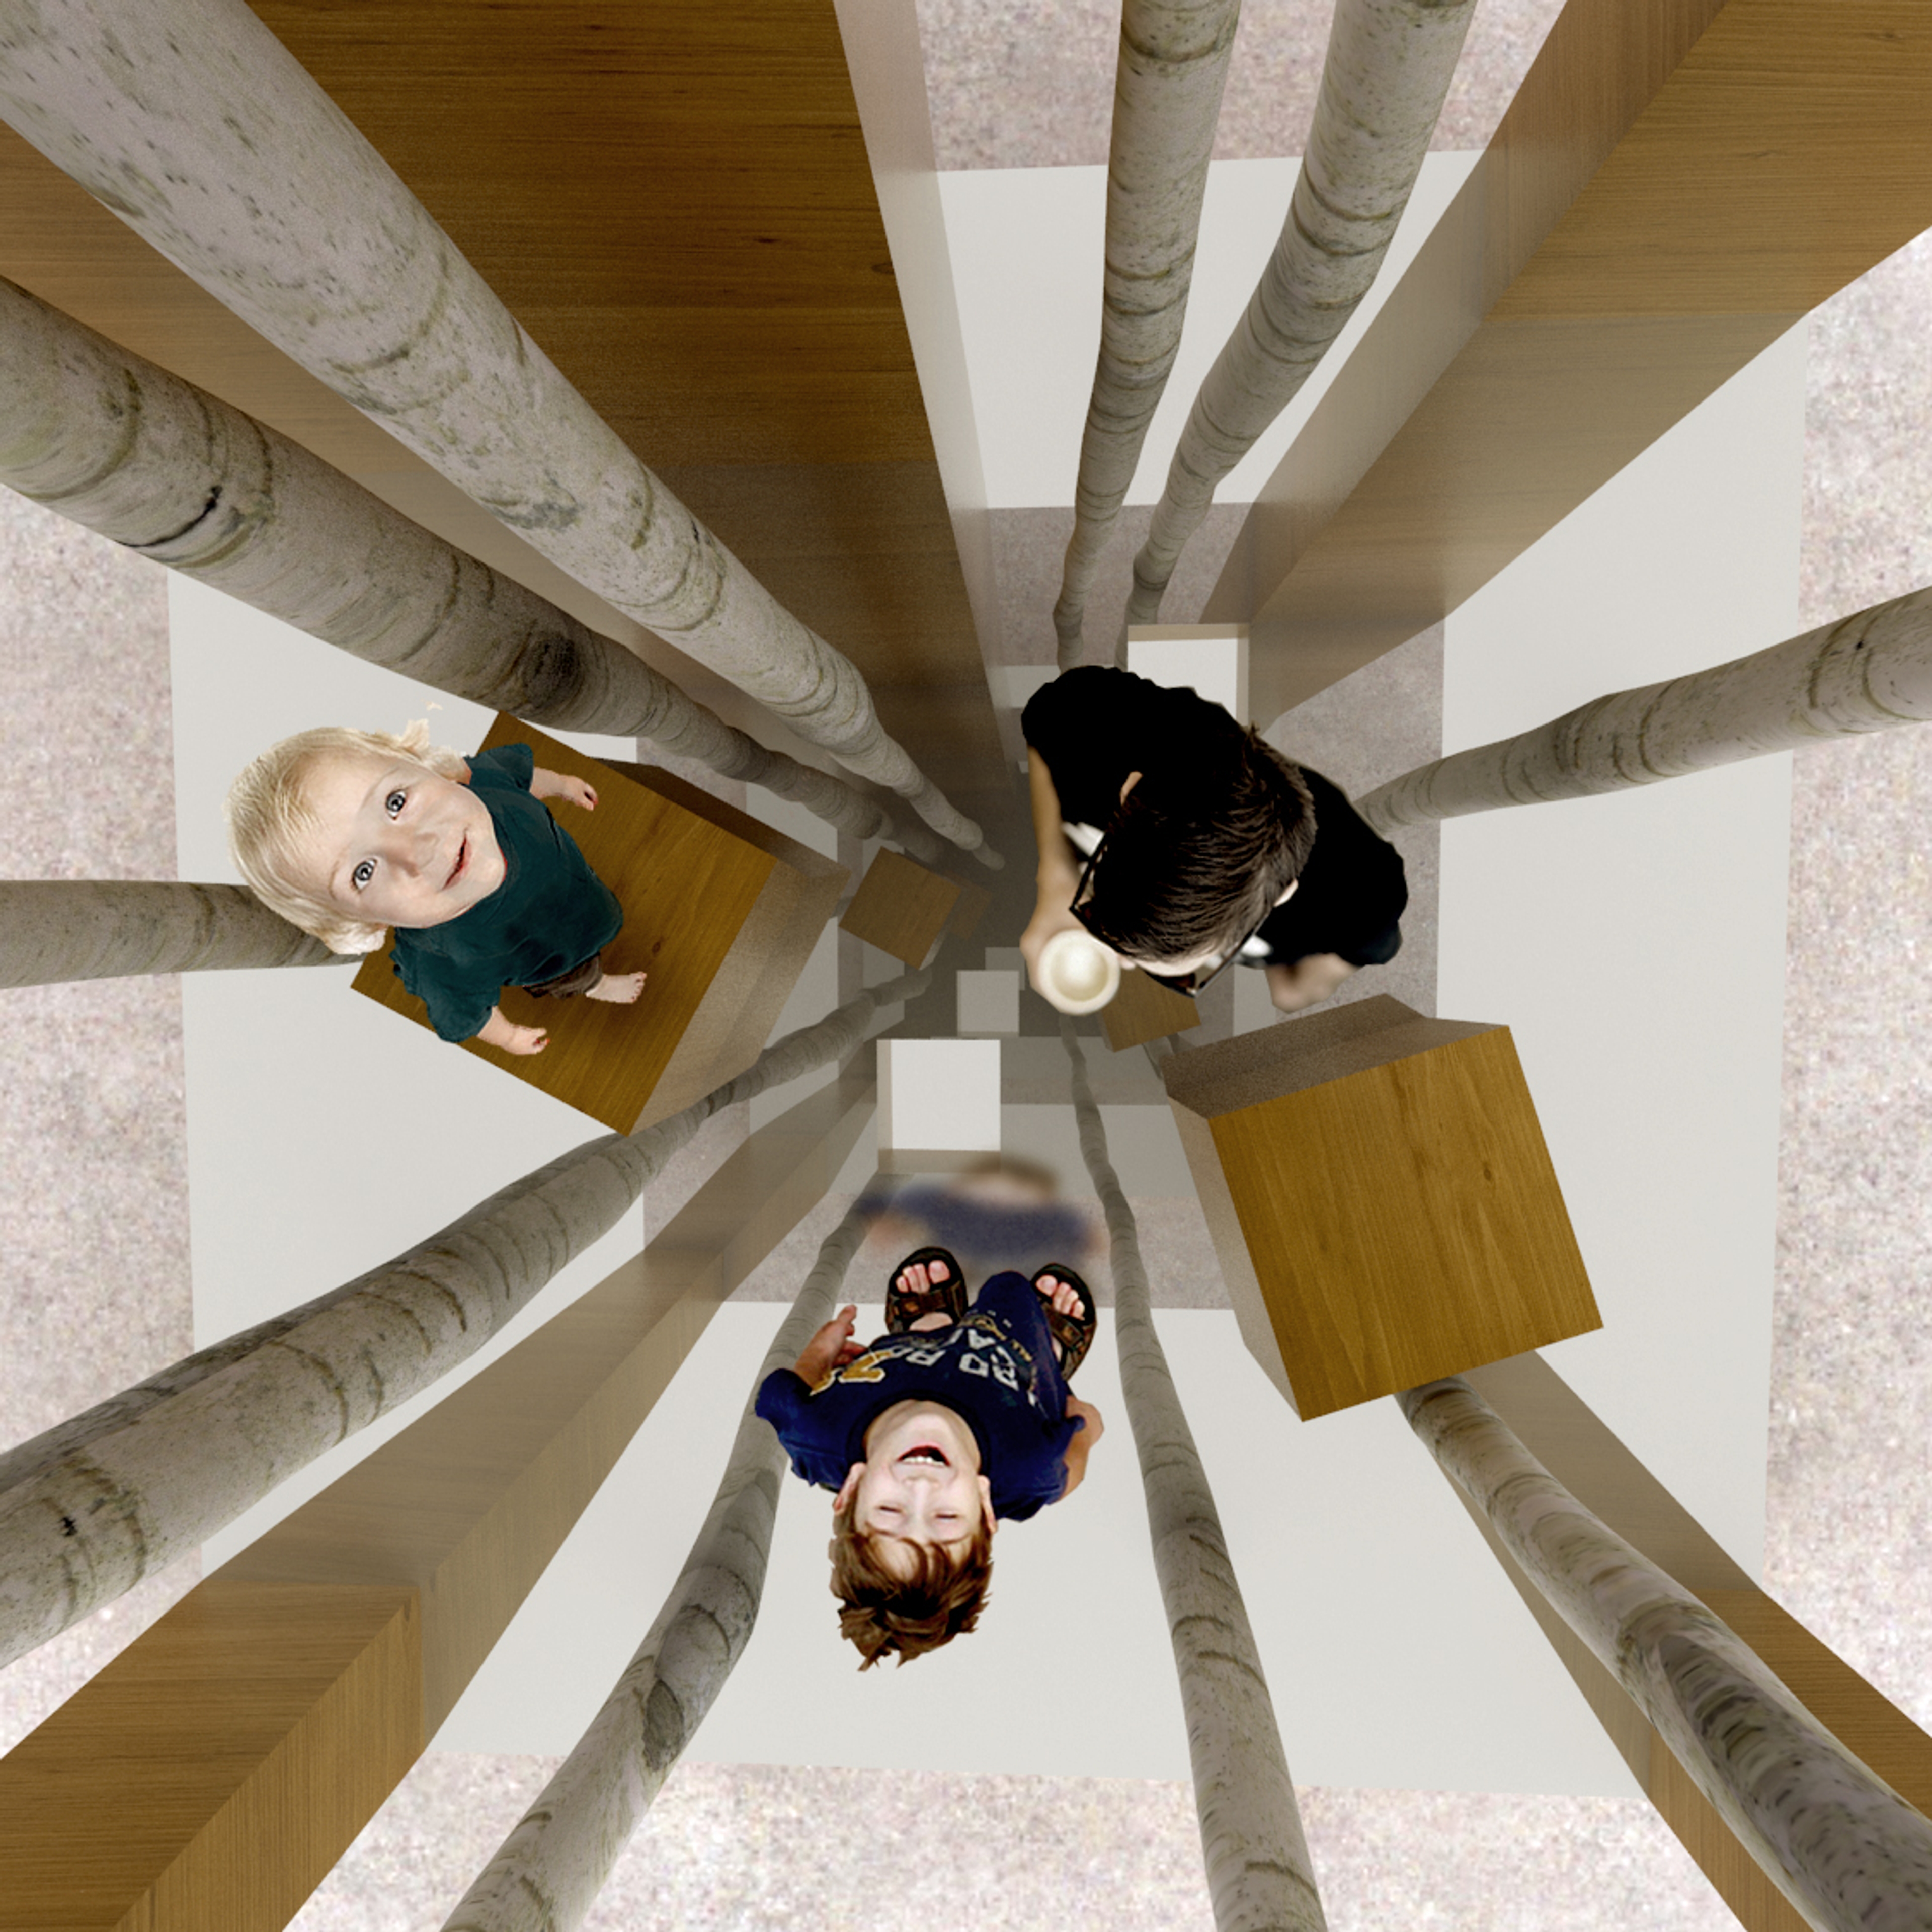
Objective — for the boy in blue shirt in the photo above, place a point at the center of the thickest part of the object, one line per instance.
(349, 833)
(952, 1420)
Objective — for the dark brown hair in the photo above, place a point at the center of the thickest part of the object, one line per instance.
(1195, 860)
(906, 1616)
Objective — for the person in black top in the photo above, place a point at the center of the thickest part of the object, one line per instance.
(1187, 844)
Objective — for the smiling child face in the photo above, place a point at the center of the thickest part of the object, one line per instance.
(919, 1483)
(396, 844)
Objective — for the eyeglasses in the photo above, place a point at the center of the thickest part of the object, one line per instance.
(1199, 978)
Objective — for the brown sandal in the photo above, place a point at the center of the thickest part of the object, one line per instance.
(1074, 1333)
(903, 1306)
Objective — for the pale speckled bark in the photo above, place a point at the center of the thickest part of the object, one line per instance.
(548, 1872)
(1865, 673)
(54, 930)
(1167, 98)
(1842, 1846)
(114, 442)
(1389, 66)
(93, 1505)
(1259, 1874)
(196, 126)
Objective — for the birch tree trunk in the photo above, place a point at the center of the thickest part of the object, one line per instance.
(195, 125)
(96, 1503)
(1865, 673)
(54, 930)
(115, 443)
(546, 1874)
(1259, 1874)
(1389, 66)
(1848, 1852)
(1167, 99)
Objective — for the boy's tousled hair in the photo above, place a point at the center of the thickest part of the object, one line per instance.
(886, 1616)
(268, 814)
(1194, 861)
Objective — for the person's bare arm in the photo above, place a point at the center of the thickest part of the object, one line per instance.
(497, 1031)
(1059, 871)
(561, 784)
(1308, 981)
(1081, 1447)
(832, 1348)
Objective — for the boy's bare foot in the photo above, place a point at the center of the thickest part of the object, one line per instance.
(621, 989)
(915, 1281)
(1072, 1322)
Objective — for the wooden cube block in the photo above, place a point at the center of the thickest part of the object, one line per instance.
(1142, 1011)
(720, 909)
(1381, 1200)
(901, 908)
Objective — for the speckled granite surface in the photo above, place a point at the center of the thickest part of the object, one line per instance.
(1031, 85)
(93, 1158)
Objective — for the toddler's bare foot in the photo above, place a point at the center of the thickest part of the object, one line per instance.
(621, 989)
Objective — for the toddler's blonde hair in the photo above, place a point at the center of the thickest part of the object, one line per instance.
(269, 816)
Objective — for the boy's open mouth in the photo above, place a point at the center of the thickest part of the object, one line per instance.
(926, 1454)
(462, 860)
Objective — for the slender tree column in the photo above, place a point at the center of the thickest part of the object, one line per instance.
(1390, 63)
(195, 125)
(96, 1503)
(1848, 1852)
(1167, 99)
(117, 444)
(1259, 1874)
(548, 1872)
(1867, 672)
(56, 930)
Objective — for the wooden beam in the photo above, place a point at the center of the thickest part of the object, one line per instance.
(211, 1774)
(1677, 182)
(1571, 1441)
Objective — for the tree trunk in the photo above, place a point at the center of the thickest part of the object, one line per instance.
(1259, 1874)
(1390, 63)
(1865, 673)
(1167, 99)
(54, 930)
(96, 1503)
(196, 126)
(548, 1872)
(1848, 1852)
(115, 443)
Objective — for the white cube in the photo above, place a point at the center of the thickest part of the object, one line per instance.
(989, 1003)
(939, 1095)
(1213, 658)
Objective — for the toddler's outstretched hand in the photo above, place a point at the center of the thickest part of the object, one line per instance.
(562, 785)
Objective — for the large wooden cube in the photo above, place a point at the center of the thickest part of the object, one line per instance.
(902, 909)
(721, 910)
(1381, 1200)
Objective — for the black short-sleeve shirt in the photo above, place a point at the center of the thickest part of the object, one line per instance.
(1096, 725)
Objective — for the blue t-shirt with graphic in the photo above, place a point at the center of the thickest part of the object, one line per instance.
(995, 1370)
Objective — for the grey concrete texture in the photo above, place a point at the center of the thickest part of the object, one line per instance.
(1030, 84)
(93, 1154)
(766, 1848)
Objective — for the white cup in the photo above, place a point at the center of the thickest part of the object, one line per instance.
(1077, 973)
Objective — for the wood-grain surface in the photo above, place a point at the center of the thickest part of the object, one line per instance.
(1142, 1011)
(1676, 183)
(901, 908)
(1397, 1213)
(689, 884)
(211, 1774)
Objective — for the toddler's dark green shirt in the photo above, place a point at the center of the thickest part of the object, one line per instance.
(550, 914)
